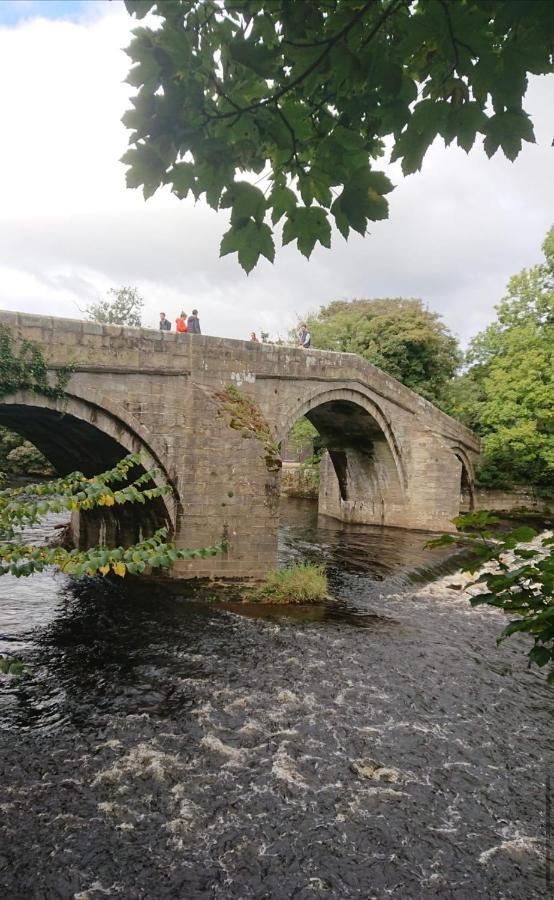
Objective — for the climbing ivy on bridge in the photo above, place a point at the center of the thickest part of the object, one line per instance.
(27, 369)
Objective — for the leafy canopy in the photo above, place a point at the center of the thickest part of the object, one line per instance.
(122, 307)
(402, 337)
(507, 394)
(308, 94)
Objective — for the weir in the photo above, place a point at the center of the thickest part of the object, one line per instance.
(392, 458)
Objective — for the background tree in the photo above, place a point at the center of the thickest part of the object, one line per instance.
(123, 307)
(402, 337)
(307, 93)
(507, 394)
(20, 457)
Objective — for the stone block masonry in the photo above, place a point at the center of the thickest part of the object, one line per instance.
(393, 458)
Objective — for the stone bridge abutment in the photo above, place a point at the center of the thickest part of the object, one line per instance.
(392, 458)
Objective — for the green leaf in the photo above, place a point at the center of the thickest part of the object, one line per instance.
(253, 56)
(523, 534)
(362, 200)
(146, 170)
(139, 8)
(540, 655)
(183, 179)
(307, 227)
(249, 242)
(282, 201)
(508, 130)
(246, 202)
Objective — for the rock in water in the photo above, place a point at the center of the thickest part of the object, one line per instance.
(376, 771)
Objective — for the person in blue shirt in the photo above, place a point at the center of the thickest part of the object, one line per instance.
(193, 323)
(304, 338)
(165, 324)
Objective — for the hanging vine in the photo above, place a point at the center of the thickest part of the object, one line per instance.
(26, 506)
(27, 369)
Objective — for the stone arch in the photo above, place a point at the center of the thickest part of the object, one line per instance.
(357, 396)
(467, 479)
(75, 434)
(362, 474)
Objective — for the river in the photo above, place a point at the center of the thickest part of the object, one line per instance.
(167, 747)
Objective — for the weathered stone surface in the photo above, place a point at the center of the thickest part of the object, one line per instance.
(393, 458)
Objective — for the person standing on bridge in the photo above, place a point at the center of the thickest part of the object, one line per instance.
(165, 324)
(304, 337)
(181, 323)
(193, 323)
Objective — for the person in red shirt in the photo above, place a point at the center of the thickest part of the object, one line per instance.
(181, 323)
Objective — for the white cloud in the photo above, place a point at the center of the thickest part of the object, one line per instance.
(69, 229)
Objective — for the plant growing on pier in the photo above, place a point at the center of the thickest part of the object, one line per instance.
(246, 416)
(308, 94)
(521, 583)
(26, 506)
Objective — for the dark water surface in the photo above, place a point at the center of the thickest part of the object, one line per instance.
(166, 747)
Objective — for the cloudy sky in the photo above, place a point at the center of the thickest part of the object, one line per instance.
(69, 229)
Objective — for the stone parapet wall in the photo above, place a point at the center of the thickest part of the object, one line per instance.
(508, 501)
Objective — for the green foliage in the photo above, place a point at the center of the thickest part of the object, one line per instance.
(522, 583)
(246, 416)
(402, 337)
(507, 393)
(27, 370)
(123, 307)
(13, 665)
(302, 435)
(306, 94)
(27, 460)
(20, 457)
(26, 506)
(299, 583)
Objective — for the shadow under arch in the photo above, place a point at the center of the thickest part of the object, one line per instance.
(362, 475)
(467, 480)
(376, 422)
(74, 434)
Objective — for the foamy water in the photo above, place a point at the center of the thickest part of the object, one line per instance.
(168, 748)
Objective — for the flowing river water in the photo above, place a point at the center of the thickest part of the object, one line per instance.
(169, 747)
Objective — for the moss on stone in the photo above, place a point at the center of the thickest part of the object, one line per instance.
(246, 417)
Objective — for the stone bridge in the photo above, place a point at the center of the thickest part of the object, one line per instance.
(393, 458)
